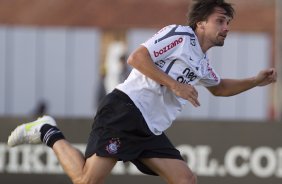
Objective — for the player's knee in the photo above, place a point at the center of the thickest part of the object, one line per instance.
(87, 180)
(79, 180)
(188, 178)
(193, 179)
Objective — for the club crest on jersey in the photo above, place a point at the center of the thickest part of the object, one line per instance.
(112, 147)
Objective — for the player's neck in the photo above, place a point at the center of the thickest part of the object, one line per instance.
(204, 43)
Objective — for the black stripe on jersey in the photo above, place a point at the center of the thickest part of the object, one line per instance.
(170, 66)
(173, 33)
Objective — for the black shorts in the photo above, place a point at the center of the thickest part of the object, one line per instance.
(120, 131)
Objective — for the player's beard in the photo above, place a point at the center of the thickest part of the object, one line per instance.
(219, 41)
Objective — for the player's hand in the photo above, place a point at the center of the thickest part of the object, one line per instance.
(266, 77)
(187, 92)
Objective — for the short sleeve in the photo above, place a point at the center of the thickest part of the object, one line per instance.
(164, 43)
(211, 79)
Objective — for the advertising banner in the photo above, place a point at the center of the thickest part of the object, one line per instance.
(218, 153)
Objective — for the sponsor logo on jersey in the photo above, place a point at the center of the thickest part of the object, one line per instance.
(168, 47)
(212, 73)
(187, 77)
(193, 41)
(160, 63)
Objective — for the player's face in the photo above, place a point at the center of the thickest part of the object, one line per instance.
(217, 27)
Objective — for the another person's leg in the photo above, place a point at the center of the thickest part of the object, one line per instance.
(173, 171)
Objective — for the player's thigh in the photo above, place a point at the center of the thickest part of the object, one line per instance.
(172, 170)
(97, 168)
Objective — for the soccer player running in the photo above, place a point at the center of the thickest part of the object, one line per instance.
(130, 122)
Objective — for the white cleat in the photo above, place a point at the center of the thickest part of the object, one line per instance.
(29, 133)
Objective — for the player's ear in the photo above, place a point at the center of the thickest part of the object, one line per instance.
(201, 24)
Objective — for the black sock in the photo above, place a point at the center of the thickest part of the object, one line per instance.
(50, 134)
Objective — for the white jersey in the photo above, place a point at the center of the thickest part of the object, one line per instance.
(175, 50)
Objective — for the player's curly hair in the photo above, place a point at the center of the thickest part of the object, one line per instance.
(200, 10)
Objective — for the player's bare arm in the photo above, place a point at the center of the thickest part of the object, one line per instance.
(266, 77)
(141, 60)
(230, 87)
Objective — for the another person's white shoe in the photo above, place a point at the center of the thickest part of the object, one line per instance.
(29, 133)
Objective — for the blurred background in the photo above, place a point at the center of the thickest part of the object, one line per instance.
(58, 55)
(62, 57)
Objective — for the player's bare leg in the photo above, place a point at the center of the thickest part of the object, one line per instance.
(91, 171)
(173, 171)
(81, 171)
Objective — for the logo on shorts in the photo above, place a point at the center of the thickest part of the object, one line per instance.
(113, 146)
